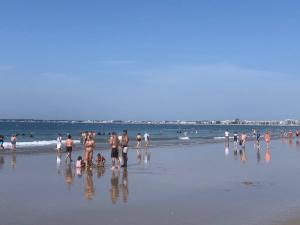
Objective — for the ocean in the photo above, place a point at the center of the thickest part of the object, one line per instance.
(43, 134)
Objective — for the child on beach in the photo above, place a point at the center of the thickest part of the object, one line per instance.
(80, 163)
(100, 160)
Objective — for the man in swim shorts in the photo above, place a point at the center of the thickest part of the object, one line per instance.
(124, 144)
(114, 143)
(69, 147)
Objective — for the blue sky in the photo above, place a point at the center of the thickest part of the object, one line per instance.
(149, 59)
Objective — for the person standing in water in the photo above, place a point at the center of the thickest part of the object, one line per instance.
(258, 139)
(138, 142)
(244, 138)
(59, 142)
(69, 147)
(13, 140)
(1, 142)
(89, 150)
(235, 142)
(124, 143)
(226, 137)
(114, 143)
(147, 139)
(267, 138)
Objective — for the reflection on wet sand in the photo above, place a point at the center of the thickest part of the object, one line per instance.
(89, 185)
(114, 191)
(1, 162)
(58, 162)
(13, 160)
(68, 175)
(100, 171)
(268, 155)
(124, 186)
(243, 156)
(258, 157)
(147, 157)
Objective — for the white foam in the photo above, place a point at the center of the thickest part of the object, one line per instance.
(218, 138)
(184, 138)
(8, 145)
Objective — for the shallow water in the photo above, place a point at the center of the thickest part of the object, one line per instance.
(197, 184)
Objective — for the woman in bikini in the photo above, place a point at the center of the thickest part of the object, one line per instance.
(89, 149)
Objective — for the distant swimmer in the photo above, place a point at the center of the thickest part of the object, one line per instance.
(31, 135)
(69, 147)
(147, 139)
(297, 133)
(13, 141)
(1, 142)
(58, 142)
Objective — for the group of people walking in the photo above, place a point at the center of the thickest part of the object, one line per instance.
(240, 139)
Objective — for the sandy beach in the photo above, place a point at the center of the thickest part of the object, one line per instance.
(196, 184)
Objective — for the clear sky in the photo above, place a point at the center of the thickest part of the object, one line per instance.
(158, 59)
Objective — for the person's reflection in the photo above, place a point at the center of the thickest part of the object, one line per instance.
(243, 156)
(235, 154)
(124, 185)
(114, 191)
(258, 157)
(89, 185)
(69, 175)
(147, 157)
(100, 171)
(297, 144)
(1, 162)
(226, 151)
(13, 160)
(290, 141)
(139, 157)
(268, 155)
(58, 162)
(79, 172)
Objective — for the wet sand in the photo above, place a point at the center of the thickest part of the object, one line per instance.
(195, 184)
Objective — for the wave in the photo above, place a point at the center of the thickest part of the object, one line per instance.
(42, 143)
(219, 138)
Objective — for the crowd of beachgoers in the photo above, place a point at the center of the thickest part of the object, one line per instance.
(119, 144)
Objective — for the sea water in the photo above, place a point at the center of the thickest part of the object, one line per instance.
(44, 134)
